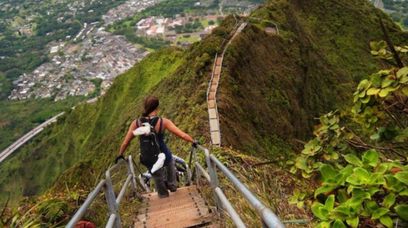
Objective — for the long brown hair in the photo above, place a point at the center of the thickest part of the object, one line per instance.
(150, 104)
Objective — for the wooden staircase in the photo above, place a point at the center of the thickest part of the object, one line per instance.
(184, 208)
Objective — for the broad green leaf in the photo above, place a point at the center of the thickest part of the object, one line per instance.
(377, 179)
(301, 163)
(383, 93)
(338, 224)
(371, 158)
(387, 82)
(382, 168)
(379, 212)
(327, 172)
(373, 91)
(392, 183)
(386, 91)
(402, 211)
(324, 189)
(386, 221)
(372, 190)
(405, 90)
(320, 211)
(389, 200)
(402, 72)
(353, 159)
(329, 204)
(404, 193)
(360, 194)
(360, 176)
(353, 222)
(363, 84)
(323, 225)
(342, 195)
(402, 176)
(365, 100)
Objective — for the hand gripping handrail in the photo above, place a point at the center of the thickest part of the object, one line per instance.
(269, 219)
(113, 202)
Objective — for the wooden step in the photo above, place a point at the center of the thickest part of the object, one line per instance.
(211, 104)
(211, 96)
(215, 138)
(183, 208)
(212, 113)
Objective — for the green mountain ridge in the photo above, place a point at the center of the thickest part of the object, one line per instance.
(272, 87)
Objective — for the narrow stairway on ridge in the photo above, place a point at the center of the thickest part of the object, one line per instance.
(214, 119)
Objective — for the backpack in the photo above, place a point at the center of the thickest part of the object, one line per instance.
(149, 144)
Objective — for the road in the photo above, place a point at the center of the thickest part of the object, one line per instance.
(25, 138)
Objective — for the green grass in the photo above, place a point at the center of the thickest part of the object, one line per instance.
(18, 117)
(190, 39)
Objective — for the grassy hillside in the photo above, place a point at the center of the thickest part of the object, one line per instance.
(91, 134)
(275, 86)
(272, 87)
(18, 117)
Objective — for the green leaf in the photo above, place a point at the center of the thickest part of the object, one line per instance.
(371, 158)
(405, 90)
(392, 183)
(353, 159)
(365, 100)
(353, 222)
(360, 194)
(404, 193)
(342, 195)
(301, 163)
(323, 225)
(329, 204)
(379, 212)
(402, 176)
(402, 211)
(320, 211)
(386, 221)
(373, 91)
(338, 224)
(386, 91)
(324, 189)
(387, 82)
(389, 200)
(327, 172)
(360, 176)
(363, 85)
(402, 72)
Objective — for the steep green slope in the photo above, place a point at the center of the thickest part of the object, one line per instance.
(91, 134)
(83, 129)
(274, 86)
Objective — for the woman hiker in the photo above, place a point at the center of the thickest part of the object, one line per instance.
(158, 126)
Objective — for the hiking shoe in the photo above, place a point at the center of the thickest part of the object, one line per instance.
(164, 196)
(172, 188)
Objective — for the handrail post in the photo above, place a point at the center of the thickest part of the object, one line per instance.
(111, 200)
(131, 170)
(213, 177)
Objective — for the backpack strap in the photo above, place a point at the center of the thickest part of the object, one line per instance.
(153, 122)
(161, 125)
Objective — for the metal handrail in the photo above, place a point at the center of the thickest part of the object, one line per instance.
(113, 202)
(269, 219)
